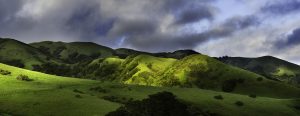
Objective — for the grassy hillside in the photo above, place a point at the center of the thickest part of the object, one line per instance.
(22, 55)
(268, 66)
(198, 71)
(52, 95)
(75, 51)
(144, 69)
(47, 95)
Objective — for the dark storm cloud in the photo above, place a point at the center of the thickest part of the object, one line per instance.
(8, 9)
(283, 7)
(96, 20)
(9, 21)
(169, 42)
(241, 22)
(86, 20)
(171, 5)
(291, 40)
(134, 27)
(194, 15)
(153, 25)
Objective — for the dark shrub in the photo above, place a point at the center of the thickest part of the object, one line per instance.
(78, 96)
(99, 89)
(229, 85)
(112, 99)
(297, 107)
(259, 79)
(60, 87)
(4, 72)
(23, 78)
(239, 103)
(160, 104)
(240, 80)
(219, 97)
(77, 91)
(16, 63)
(252, 96)
(196, 111)
(37, 103)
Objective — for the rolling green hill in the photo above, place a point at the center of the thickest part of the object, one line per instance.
(268, 66)
(73, 52)
(19, 54)
(198, 71)
(60, 96)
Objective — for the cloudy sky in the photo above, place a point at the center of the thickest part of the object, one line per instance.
(247, 28)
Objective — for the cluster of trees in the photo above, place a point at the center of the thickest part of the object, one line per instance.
(16, 63)
(229, 85)
(80, 70)
(23, 78)
(53, 68)
(4, 72)
(76, 57)
(159, 104)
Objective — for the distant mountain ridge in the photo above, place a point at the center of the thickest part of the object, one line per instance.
(268, 66)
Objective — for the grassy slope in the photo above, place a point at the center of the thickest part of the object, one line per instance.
(14, 50)
(47, 95)
(149, 64)
(52, 95)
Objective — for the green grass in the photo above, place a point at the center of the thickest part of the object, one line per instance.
(54, 95)
(48, 95)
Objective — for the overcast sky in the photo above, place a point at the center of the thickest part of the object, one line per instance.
(247, 28)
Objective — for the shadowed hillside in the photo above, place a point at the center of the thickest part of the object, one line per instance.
(19, 54)
(268, 66)
(73, 52)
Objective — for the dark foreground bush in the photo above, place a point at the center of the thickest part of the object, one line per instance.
(252, 96)
(78, 96)
(297, 107)
(23, 78)
(160, 104)
(4, 72)
(78, 91)
(122, 100)
(99, 89)
(219, 97)
(229, 85)
(239, 103)
(259, 79)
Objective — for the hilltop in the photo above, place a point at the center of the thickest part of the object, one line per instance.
(22, 55)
